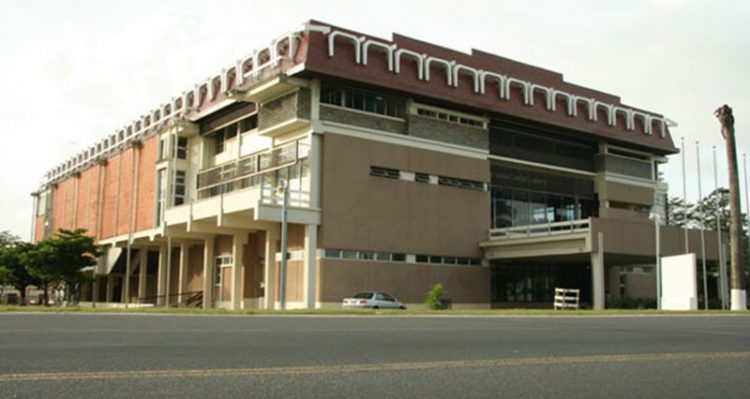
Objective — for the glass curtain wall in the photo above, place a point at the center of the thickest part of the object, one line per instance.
(523, 197)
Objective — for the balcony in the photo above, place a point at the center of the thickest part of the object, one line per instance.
(243, 192)
(249, 170)
(539, 240)
(540, 230)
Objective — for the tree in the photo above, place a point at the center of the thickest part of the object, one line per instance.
(5, 278)
(682, 214)
(11, 259)
(61, 259)
(711, 213)
(726, 119)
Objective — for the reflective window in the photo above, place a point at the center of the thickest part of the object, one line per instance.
(525, 197)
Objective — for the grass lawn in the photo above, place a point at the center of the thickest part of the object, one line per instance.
(363, 312)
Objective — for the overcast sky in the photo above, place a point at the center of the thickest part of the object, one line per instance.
(71, 72)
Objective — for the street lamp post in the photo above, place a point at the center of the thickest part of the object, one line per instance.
(283, 189)
(657, 222)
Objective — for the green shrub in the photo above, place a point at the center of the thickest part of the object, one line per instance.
(434, 299)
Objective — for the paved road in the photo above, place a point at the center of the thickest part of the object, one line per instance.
(154, 356)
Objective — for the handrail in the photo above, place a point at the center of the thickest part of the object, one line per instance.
(249, 166)
(535, 230)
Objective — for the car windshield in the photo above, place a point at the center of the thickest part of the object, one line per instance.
(363, 295)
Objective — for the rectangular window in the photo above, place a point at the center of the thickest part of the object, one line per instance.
(384, 172)
(161, 193)
(162, 149)
(460, 183)
(422, 177)
(447, 116)
(219, 141)
(423, 259)
(221, 262)
(361, 101)
(330, 95)
(365, 255)
(230, 131)
(398, 257)
(179, 187)
(333, 253)
(182, 144)
(383, 256)
(249, 123)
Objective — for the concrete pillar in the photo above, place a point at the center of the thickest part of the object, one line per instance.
(125, 294)
(238, 250)
(142, 274)
(597, 273)
(110, 288)
(269, 272)
(183, 278)
(168, 274)
(161, 278)
(310, 264)
(95, 290)
(208, 272)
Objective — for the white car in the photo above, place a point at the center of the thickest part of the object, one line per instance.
(372, 300)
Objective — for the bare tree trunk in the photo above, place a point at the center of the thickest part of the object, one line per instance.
(739, 298)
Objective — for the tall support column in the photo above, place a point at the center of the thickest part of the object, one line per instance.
(161, 279)
(597, 273)
(183, 278)
(128, 272)
(208, 273)
(168, 277)
(269, 270)
(110, 288)
(238, 251)
(94, 290)
(142, 274)
(310, 264)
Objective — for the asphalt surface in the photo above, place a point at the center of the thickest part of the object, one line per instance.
(164, 356)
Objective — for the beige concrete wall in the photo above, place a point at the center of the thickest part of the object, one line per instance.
(627, 193)
(223, 245)
(295, 281)
(195, 268)
(339, 278)
(365, 212)
(252, 259)
(638, 239)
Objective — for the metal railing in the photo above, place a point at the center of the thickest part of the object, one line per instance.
(251, 165)
(537, 230)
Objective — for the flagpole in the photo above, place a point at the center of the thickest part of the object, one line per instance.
(722, 265)
(684, 196)
(703, 229)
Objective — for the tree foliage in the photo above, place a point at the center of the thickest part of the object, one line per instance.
(15, 273)
(19, 276)
(711, 213)
(62, 258)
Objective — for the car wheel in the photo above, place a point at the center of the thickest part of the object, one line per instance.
(402, 307)
(376, 307)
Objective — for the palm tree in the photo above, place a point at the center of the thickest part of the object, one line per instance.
(724, 114)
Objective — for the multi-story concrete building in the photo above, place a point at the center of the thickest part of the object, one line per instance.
(407, 164)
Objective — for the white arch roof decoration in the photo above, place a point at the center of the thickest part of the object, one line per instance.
(505, 83)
